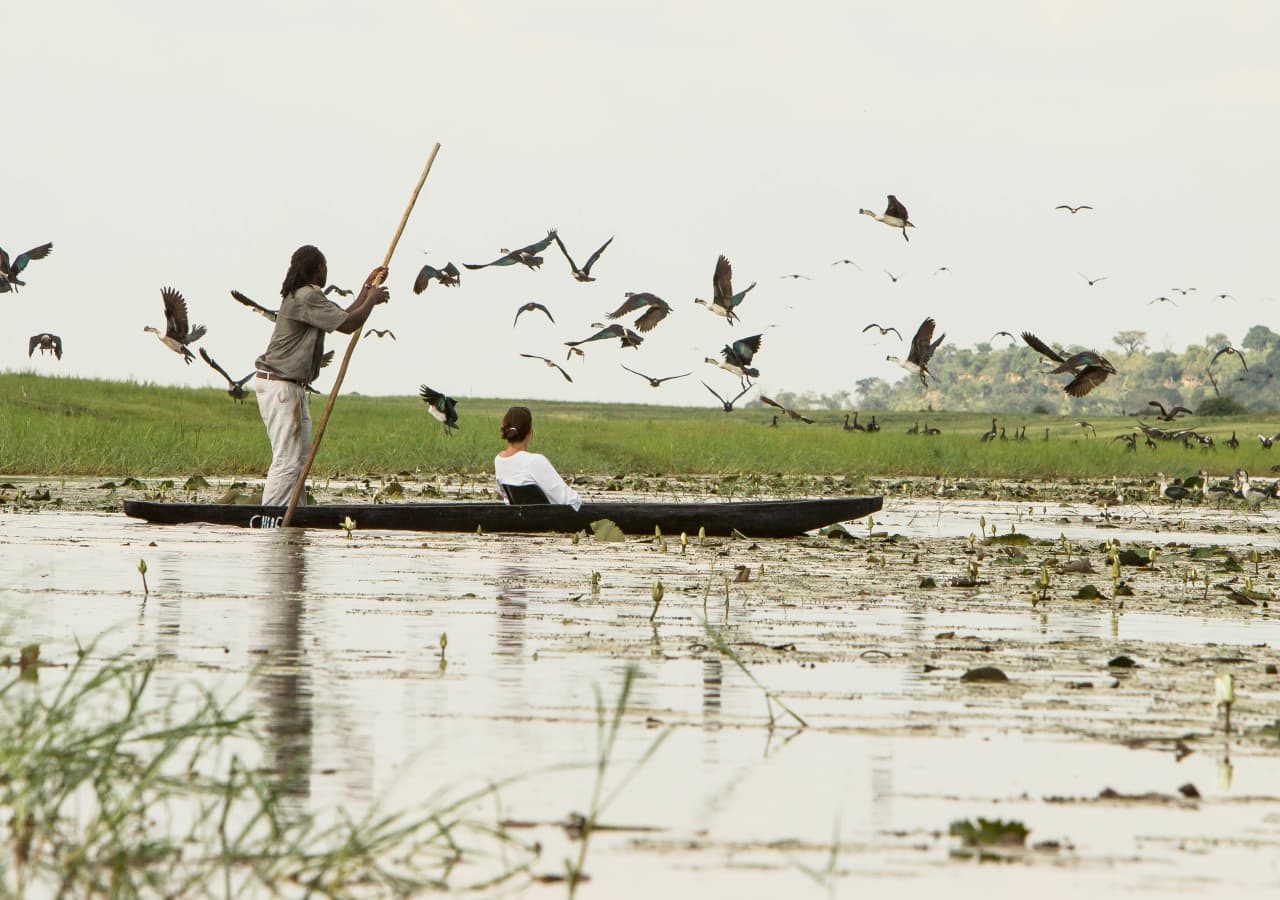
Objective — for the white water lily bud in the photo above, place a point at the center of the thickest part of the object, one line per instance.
(1225, 771)
(1224, 689)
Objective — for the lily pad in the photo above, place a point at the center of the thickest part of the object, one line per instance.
(1129, 557)
(990, 832)
(1122, 662)
(195, 483)
(927, 583)
(1079, 566)
(1089, 592)
(1013, 539)
(984, 675)
(606, 530)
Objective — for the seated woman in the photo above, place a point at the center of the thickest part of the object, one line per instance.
(517, 467)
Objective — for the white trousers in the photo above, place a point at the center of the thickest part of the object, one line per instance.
(283, 406)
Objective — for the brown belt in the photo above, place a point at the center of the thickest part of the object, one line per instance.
(272, 376)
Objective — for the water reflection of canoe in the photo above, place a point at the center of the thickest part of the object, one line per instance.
(753, 518)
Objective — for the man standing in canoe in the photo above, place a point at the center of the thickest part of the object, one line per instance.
(292, 360)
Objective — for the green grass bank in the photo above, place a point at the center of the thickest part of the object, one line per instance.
(72, 426)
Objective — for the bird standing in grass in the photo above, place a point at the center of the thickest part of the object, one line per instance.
(922, 349)
(1175, 493)
(177, 333)
(894, 215)
(443, 409)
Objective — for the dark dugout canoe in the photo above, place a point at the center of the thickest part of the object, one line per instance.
(753, 518)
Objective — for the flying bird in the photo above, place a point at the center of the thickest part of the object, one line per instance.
(892, 277)
(334, 289)
(1169, 415)
(1089, 368)
(658, 309)
(574, 351)
(235, 389)
(1224, 296)
(381, 332)
(895, 216)
(795, 276)
(1183, 291)
(1162, 300)
(724, 302)
(847, 262)
(583, 274)
(1006, 334)
(737, 357)
(883, 331)
(1072, 209)
(790, 412)
(449, 276)
(923, 347)
(727, 404)
(11, 269)
(1231, 351)
(1092, 281)
(443, 409)
(45, 343)
(656, 382)
(628, 337)
(525, 256)
(268, 314)
(551, 364)
(177, 334)
(530, 307)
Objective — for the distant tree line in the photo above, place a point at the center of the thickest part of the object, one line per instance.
(1013, 378)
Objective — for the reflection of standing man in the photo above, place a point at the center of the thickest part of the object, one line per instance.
(285, 682)
(292, 359)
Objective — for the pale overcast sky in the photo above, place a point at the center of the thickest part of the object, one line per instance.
(161, 143)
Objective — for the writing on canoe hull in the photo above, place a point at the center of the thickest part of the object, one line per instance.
(261, 521)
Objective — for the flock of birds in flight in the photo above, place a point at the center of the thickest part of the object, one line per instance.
(1087, 369)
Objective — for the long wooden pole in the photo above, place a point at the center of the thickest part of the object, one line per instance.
(300, 485)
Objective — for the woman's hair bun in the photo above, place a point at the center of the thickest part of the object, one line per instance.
(516, 424)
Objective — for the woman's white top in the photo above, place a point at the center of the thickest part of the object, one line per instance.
(524, 467)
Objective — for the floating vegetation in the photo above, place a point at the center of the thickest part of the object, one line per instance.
(165, 800)
(605, 530)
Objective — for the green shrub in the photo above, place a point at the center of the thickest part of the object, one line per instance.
(1222, 406)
